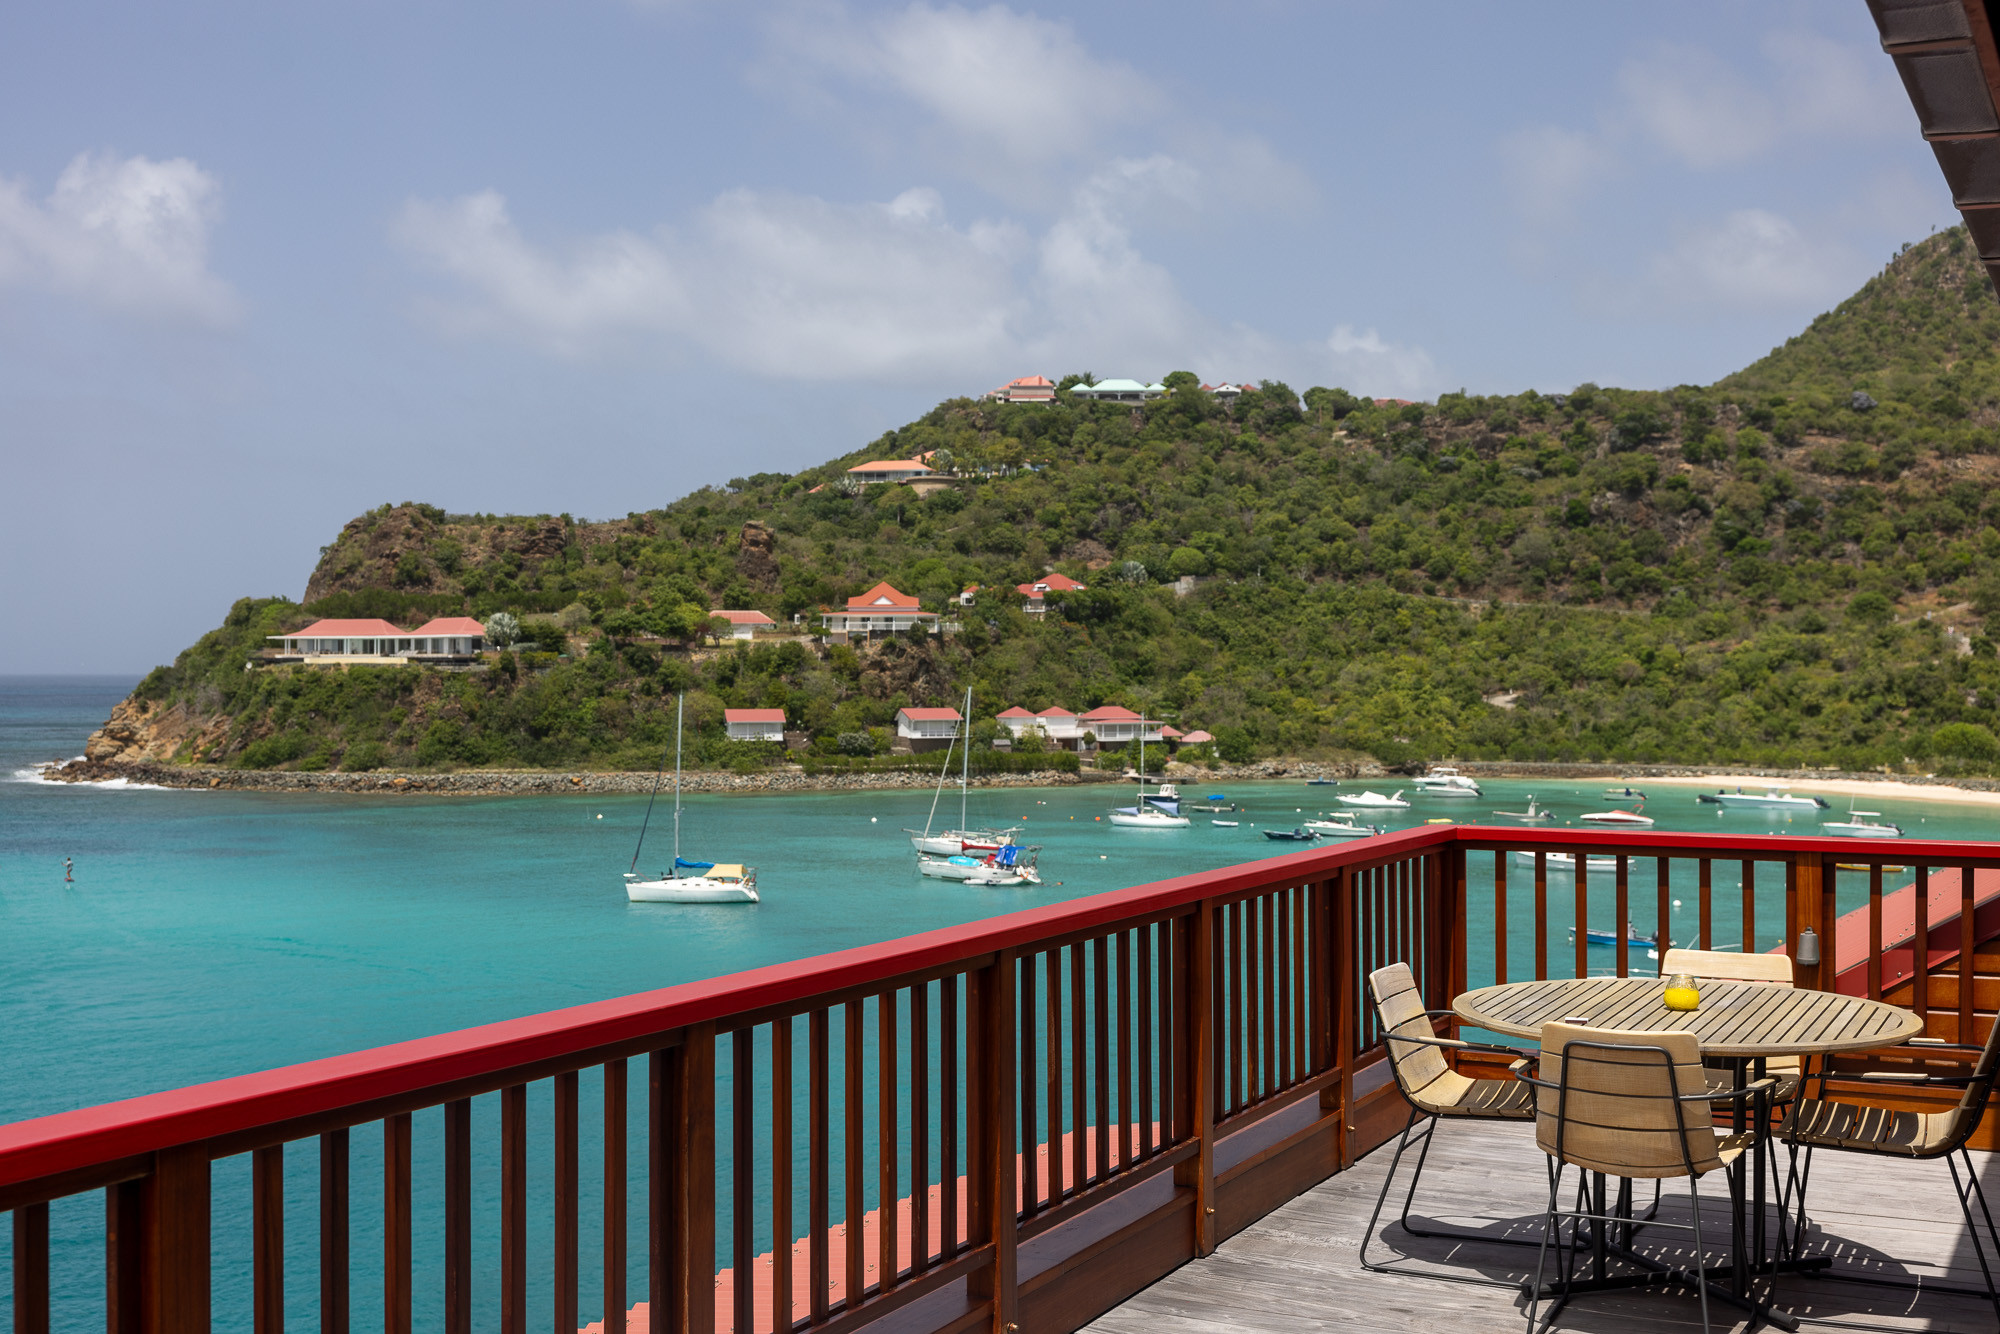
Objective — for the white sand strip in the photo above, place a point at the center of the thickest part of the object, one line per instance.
(1806, 787)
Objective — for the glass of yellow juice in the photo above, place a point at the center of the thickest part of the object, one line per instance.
(1681, 993)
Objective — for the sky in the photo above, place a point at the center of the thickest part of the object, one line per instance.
(263, 267)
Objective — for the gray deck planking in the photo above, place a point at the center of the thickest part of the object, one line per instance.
(1298, 1268)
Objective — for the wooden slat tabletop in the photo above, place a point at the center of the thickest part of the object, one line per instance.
(1733, 1019)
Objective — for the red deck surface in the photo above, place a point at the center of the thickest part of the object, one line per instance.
(1899, 928)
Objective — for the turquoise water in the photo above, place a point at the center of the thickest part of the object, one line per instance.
(214, 933)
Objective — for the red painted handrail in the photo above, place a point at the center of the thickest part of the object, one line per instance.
(70, 1141)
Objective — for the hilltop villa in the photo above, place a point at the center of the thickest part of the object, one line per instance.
(913, 473)
(1111, 725)
(1027, 389)
(927, 729)
(880, 611)
(1038, 592)
(1119, 391)
(337, 642)
(754, 724)
(745, 624)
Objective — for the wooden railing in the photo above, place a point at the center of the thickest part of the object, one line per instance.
(1009, 1125)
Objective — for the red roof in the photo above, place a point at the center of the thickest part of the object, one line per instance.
(882, 595)
(753, 715)
(1050, 583)
(361, 629)
(1111, 713)
(1016, 712)
(442, 626)
(1032, 382)
(891, 465)
(1170, 731)
(1053, 712)
(929, 715)
(744, 617)
(1197, 737)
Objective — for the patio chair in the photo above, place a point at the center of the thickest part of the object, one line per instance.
(1435, 1091)
(1845, 1127)
(1636, 1106)
(1737, 966)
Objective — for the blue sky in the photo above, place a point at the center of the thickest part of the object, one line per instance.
(265, 266)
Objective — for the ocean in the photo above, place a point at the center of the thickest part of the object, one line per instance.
(208, 934)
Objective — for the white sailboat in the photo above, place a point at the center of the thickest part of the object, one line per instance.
(1375, 801)
(712, 882)
(1442, 780)
(1160, 810)
(964, 839)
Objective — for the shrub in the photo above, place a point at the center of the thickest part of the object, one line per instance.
(364, 756)
(1965, 741)
(272, 751)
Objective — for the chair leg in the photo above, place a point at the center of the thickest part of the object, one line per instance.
(1403, 1143)
(1551, 1231)
(1410, 1131)
(1967, 1193)
(1700, 1252)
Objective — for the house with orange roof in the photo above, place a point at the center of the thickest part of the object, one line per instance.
(1027, 389)
(448, 636)
(745, 624)
(754, 724)
(892, 471)
(345, 642)
(928, 729)
(882, 610)
(1114, 725)
(1037, 593)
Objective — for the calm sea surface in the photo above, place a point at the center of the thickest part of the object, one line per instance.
(213, 933)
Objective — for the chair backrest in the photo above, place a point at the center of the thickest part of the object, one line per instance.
(1972, 1105)
(1400, 1007)
(1617, 1109)
(1728, 965)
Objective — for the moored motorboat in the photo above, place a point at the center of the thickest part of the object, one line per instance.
(1622, 819)
(1441, 780)
(1535, 814)
(1862, 824)
(1002, 868)
(1774, 797)
(1565, 861)
(1299, 835)
(1342, 824)
(1375, 801)
(1598, 935)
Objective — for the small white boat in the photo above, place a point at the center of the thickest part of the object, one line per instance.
(1375, 801)
(1774, 797)
(1156, 810)
(1441, 780)
(1623, 819)
(712, 882)
(1224, 824)
(1624, 794)
(1003, 868)
(1342, 824)
(1535, 814)
(1862, 824)
(1566, 861)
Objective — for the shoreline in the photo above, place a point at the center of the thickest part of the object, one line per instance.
(543, 782)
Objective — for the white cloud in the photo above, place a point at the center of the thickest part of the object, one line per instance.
(126, 234)
(1698, 107)
(1550, 169)
(1753, 259)
(797, 288)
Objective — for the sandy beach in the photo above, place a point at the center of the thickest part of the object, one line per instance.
(1859, 788)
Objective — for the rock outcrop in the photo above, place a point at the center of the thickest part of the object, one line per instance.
(756, 556)
(142, 732)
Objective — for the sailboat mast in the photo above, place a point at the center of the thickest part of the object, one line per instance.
(965, 760)
(680, 712)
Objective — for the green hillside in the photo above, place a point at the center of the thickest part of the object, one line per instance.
(1794, 565)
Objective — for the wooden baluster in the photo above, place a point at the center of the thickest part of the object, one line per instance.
(1173, 1022)
(1148, 935)
(267, 1226)
(1875, 931)
(1582, 887)
(333, 1232)
(1829, 918)
(854, 1132)
(1128, 1121)
(1663, 926)
(949, 1103)
(1343, 1005)
(781, 1175)
(1079, 1071)
(1966, 947)
(613, 1246)
(1052, 1036)
(458, 1216)
(1920, 948)
(1304, 980)
(991, 1212)
(1499, 916)
(742, 1176)
(124, 1257)
(1030, 1085)
(1623, 909)
(920, 1128)
(396, 1236)
(1195, 1085)
(1100, 968)
(1749, 906)
(1265, 946)
(31, 1267)
(174, 1233)
(1541, 915)
(514, 1209)
(819, 1274)
(1235, 971)
(682, 1141)
(887, 1148)
(1705, 890)
(563, 1267)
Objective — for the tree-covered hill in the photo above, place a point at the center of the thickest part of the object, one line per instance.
(1794, 565)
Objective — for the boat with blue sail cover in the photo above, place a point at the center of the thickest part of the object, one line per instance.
(712, 882)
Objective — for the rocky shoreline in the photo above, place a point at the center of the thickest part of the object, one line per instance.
(529, 782)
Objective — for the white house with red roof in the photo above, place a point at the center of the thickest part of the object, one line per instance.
(1037, 593)
(745, 624)
(1114, 725)
(928, 729)
(448, 636)
(882, 610)
(337, 642)
(893, 470)
(1055, 725)
(1027, 389)
(754, 724)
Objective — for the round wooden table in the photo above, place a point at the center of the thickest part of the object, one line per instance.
(1739, 1019)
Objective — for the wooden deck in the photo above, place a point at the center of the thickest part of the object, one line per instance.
(1297, 1269)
